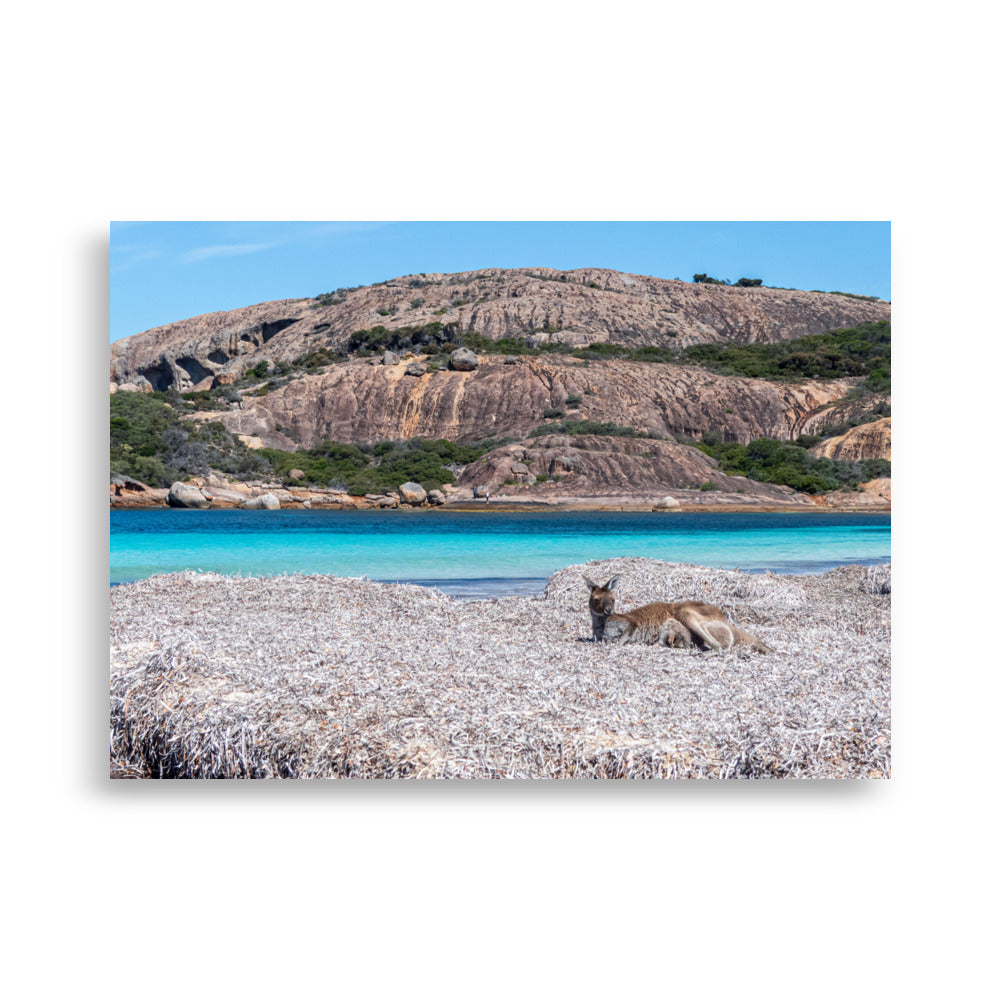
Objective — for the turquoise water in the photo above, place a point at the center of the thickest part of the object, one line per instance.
(479, 553)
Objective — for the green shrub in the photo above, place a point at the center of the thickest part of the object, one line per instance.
(789, 464)
(150, 442)
(605, 428)
(864, 350)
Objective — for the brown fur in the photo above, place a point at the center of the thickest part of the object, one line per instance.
(629, 628)
(602, 604)
(702, 623)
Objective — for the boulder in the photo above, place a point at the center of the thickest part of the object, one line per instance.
(223, 494)
(667, 503)
(390, 358)
(412, 493)
(436, 497)
(416, 368)
(296, 474)
(139, 384)
(522, 473)
(183, 495)
(463, 360)
(266, 501)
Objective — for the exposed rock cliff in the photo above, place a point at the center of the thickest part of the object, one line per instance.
(576, 307)
(872, 440)
(355, 401)
(575, 465)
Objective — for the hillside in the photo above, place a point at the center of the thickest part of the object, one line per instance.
(578, 307)
(630, 387)
(356, 401)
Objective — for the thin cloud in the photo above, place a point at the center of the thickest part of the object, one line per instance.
(124, 257)
(225, 250)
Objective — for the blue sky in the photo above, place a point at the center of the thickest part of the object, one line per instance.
(167, 271)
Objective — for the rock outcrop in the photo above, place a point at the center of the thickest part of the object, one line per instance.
(592, 465)
(873, 440)
(413, 494)
(266, 501)
(667, 503)
(128, 492)
(184, 495)
(575, 307)
(357, 402)
(463, 360)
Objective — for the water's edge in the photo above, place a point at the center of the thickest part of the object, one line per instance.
(477, 556)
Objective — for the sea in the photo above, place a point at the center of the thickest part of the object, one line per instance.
(480, 554)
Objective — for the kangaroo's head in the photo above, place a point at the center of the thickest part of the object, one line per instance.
(602, 599)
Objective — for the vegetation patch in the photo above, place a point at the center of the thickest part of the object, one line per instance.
(605, 428)
(864, 350)
(376, 468)
(151, 443)
(784, 463)
(402, 338)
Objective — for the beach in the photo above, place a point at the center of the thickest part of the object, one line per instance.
(312, 676)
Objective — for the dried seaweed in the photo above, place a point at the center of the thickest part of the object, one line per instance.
(322, 677)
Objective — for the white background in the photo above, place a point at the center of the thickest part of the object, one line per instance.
(515, 111)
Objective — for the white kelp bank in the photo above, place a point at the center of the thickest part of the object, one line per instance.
(326, 677)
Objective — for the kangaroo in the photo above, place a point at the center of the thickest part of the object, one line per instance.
(704, 624)
(602, 604)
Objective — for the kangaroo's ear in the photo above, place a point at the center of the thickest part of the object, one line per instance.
(590, 583)
(612, 583)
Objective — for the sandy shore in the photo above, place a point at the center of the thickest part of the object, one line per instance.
(610, 504)
(316, 676)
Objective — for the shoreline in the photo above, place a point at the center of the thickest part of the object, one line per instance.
(512, 506)
(489, 587)
(213, 494)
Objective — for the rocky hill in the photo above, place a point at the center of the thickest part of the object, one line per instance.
(584, 306)
(553, 425)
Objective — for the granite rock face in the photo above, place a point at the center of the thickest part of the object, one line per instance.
(609, 466)
(266, 501)
(357, 402)
(873, 440)
(574, 307)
